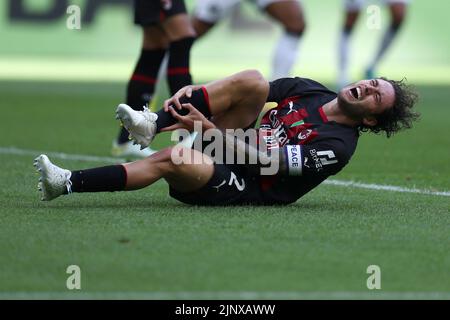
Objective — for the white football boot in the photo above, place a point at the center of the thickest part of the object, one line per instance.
(130, 150)
(140, 124)
(53, 180)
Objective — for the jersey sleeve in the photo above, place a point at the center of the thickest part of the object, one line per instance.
(288, 87)
(317, 159)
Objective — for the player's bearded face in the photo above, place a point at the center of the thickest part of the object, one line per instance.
(366, 98)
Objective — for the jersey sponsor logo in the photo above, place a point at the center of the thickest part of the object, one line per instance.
(274, 121)
(279, 132)
(322, 158)
(265, 131)
(294, 158)
(304, 134)
(285, 127)
(291, 108)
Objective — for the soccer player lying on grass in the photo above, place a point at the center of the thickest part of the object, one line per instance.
(310, 135)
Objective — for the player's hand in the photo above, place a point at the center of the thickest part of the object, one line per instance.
(188, 121)
(175, 99)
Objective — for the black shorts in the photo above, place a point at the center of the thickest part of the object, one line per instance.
(229, 185)
(150, 12)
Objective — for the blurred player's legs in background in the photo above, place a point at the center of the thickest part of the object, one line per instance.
(209, 12)
(287, 12)
(398, 11)
(166, 30)
(142, 84)
(352, 10)
(181, 36)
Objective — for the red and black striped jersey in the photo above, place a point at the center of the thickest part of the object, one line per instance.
(314, 147)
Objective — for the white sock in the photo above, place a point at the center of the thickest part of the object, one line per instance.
(343, 78)
(385, 43)
(285, 55)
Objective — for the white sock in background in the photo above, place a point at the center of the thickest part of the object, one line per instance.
(343, 77)
(285, 55)
(385, 43)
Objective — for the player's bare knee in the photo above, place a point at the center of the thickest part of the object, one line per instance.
(162, 160)
(253, 74)
(252, 84)
(397, 21)
(201, 27)
(246, 81)
(155, 38)
(178, 27)
(181, 161)
(179, 155)
(189, 32)
(350, 21)
(161, 156)
(398, 12)
(296, 28)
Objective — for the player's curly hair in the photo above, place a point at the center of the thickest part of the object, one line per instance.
(401, 115)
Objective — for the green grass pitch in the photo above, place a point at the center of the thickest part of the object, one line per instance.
(144, 244)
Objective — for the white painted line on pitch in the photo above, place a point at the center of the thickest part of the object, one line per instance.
(372, 186)
(333, 182)
(228, 295)
(59, 155)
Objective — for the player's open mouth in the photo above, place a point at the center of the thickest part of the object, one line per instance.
(356, 93)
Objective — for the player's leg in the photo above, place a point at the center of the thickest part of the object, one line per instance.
(188, 176)
(232, 102)
(239, 99)
(398, 12)
(240, 113)
(201, 27)
(181, 34)
(290, 14)
(352, 9)
(143, 81)
(141, 84)
(207, 13)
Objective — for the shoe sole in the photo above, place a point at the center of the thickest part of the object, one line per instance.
(123, 114)
(118, 151)
(40, 163)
